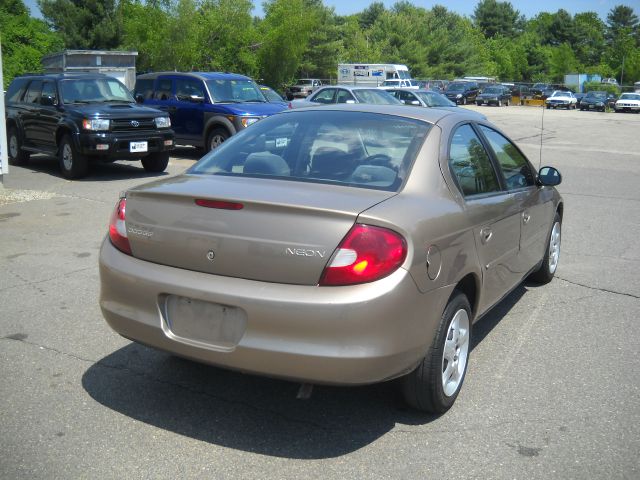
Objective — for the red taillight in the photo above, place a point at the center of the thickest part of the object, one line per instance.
(366, 254)
(118, 228)
(219, 204)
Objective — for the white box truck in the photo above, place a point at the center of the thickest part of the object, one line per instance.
(372, 74)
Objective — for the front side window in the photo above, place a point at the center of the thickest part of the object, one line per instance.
(49, 90)
(164, 90)
(33, 92)
(234, 91)
(354, 149)
(470, 164)
(324, 96)
(513, 164)
(343, 96)
(189, 89)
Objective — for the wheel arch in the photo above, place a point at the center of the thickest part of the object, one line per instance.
(469, 285)
(217, 122)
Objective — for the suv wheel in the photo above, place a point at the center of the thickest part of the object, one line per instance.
(216, 137)
(17, 156)
(72, 163)
(156, 162)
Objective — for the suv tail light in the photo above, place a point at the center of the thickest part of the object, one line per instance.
(366, 254)
(118, 227)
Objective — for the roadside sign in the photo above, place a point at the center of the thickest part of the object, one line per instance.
(4, 158)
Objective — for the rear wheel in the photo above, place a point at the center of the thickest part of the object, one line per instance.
(464, 100)
(552, 254)
(72, 163)
(216, 137)
(17, 156)
(156, 162)
(499, 102)
(434, 385)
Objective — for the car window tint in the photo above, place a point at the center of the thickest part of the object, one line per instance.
(33, 92)
(470, 163)
(164, 90)
(324, 96)
(343, 96)
(513, 164)
(16, 89)
(189, 88)
(344, 148)
(144, 87)
(49, 90)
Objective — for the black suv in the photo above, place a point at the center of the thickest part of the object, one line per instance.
(83, 117)
(462, 92)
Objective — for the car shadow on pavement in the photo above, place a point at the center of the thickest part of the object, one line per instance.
(98, 172)
(253, 413)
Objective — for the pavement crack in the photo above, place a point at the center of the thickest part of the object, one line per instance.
(189, 388)
(605, 290)
(36, 282)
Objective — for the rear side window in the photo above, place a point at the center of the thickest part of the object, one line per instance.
(513, 164)
(355, 149)
(325, 96)
(15, 90)
(470, 164)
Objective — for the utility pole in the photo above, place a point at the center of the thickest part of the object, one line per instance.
(4, 157)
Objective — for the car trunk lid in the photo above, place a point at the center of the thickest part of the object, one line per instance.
(259, 229)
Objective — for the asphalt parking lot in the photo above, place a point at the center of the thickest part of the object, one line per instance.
(551, 392)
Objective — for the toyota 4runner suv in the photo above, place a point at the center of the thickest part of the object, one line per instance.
(205, 108)
(83, 118)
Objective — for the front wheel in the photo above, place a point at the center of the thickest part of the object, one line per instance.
(17, 156)
(216, 137)
(72, 163)
(434, 385)
(552, 254)
(499, 103)
(464, 100)
(156, 162)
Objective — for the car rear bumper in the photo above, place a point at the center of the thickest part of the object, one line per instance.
(117, 145)
(333, 335)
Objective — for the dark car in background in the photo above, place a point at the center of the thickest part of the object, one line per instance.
(494, 95)
(595, 100)
(82, 118)
(462, 92)
(206, 108)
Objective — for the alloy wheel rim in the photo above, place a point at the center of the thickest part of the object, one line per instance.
(67, 157)
(216, 141)
(554, 247)
(13, 146)
(455, 353)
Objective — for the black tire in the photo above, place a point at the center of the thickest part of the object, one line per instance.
(479, 104)
(423, 388)
(72, 163)
(17, 156)
(156, 162)
(215, 138)
(546, 271)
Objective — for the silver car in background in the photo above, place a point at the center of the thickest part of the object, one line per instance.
(346, 94)
(343, 244)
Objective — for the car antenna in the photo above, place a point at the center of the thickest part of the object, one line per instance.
(541, 135)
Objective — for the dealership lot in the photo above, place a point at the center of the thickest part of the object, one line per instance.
(551, 391)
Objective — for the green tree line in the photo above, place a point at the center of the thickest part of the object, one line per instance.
(307, 38)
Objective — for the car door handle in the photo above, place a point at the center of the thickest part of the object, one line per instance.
(485, 235)
(526, 217)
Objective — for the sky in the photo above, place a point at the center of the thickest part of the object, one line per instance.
(464, 7)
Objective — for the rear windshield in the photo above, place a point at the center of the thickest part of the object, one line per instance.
(433, 99)
(376, 97)
(94, 90)
(356, 149)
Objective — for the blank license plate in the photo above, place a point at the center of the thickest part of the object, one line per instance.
(204, 323)
(138, 147)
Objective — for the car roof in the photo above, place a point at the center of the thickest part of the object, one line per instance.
(198, 75)
(350, 87)
(430, 115)
(63, 76)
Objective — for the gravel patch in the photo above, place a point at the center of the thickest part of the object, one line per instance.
(8, 196)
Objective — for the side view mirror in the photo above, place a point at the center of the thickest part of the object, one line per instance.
(415, 102)
(139, 98)
(350, 101)
(48, 100)
(196, 99)
(549, 176)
